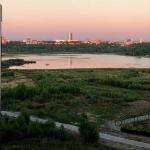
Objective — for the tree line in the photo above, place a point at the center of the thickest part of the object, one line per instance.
(136, 49)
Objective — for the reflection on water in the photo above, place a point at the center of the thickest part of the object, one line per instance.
(73, 61)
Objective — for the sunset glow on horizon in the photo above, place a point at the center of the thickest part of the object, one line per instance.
(87, 19)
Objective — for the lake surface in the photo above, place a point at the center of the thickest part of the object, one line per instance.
(75, 61)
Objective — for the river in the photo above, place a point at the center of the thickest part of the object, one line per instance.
(76, 61)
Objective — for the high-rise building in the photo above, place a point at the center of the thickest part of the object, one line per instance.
(70, 37)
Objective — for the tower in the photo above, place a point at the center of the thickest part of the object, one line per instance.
(70, 36)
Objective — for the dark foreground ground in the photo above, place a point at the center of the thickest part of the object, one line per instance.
(51, 144)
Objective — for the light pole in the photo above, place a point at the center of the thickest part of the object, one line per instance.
(0, 53)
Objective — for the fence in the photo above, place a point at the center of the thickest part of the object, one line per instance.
(134, 119)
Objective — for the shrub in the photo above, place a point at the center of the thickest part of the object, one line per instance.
(49, 129)
(22, 127)
(62, 134)
(26, 117)
(88, 131)
(23, 92)
(6, 93)
(35, 129)
(7, 73)
(15, 62)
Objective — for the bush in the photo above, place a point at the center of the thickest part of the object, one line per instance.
(15, 62)
(22, 127)
(62, 134)
(88, 131)
(23, 92)
(35, 130)
(6, 93)
(7, 73)
(25, 117)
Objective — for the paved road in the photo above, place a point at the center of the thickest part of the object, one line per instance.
(124, 140)
(76, 129)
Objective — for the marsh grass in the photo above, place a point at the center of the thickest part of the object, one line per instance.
(64, 95)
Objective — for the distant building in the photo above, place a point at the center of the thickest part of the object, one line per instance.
(141, 41)
(96, 42)
(60, 41)
(70, 37)
(29, 41)
(128, 42)
(68, 41)
(35, 42)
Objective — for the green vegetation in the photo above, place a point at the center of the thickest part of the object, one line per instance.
(139, 126)
(22, 127)
(51, 144)
(7, 73)
(134, 49)
(63, 95)
(21, 133)
(88, 131)
(15, 62)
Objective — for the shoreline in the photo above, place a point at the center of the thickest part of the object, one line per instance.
(71, 53)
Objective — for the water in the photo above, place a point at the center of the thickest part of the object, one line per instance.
(75, 61)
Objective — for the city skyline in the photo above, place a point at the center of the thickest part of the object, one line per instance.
(99, 19)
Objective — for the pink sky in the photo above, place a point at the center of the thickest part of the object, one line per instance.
(87, 19)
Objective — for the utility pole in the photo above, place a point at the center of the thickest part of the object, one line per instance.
(0, 56)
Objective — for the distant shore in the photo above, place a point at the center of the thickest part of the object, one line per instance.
(130, 50)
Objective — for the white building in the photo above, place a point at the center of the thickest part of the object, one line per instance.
(70, 37)
(29, 41)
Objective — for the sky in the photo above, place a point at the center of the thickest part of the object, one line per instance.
(87, 19)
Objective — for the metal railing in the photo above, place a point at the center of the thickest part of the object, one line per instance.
(133, 119)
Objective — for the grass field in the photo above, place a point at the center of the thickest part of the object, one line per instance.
(63, 95)
(139, 126)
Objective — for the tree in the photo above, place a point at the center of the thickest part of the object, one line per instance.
(88, 131)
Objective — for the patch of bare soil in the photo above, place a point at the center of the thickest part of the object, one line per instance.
(137, 108)
(17, 79)
(141, 104)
